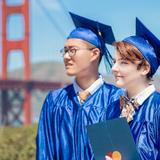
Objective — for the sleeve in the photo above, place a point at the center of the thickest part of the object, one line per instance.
(115, 94)
(156, 124)
(149, 140)
(113, 110)
(44, 139)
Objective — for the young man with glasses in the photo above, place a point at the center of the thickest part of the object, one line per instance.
(62, 131)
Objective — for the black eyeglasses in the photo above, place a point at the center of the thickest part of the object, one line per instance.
(72, 51)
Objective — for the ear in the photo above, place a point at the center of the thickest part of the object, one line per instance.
(146, 69)
(95, 54)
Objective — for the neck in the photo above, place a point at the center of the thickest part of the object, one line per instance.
(86, 81)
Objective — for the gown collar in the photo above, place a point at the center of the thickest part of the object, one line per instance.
(93, 88)
(143, 95)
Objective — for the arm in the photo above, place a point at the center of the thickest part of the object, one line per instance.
(149, 139)
(44, 140)
(157, 133)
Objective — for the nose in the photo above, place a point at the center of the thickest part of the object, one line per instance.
(66, 56)
(115, 68)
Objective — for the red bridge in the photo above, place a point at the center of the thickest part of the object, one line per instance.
(15, 95)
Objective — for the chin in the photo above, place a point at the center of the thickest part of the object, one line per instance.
(70, 74)
(119, 84)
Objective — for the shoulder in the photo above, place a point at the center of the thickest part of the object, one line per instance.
(150, 108)
(62, 90)
(113, 90)
(111, 87)
(156, 96)
(154, 99)
(55, 95)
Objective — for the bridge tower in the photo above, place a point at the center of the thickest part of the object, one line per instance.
(23, 45)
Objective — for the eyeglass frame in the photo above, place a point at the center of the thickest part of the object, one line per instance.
(69, 50)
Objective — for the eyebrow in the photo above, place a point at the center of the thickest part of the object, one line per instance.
(71, 47)
(123, 59)
(118, 59)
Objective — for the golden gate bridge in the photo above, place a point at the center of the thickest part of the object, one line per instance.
(15, 95)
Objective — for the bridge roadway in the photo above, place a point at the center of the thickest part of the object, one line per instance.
(13, 103)
(28, 84)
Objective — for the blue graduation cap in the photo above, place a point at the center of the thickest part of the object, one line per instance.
(93, 32)
(148, 44)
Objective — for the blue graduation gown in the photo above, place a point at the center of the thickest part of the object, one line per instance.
(146, 128)
(62, 133)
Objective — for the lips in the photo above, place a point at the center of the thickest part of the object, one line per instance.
(67, 65)
(118, 77)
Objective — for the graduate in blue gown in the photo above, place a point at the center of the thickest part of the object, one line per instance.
(137, 59)
(62, 125)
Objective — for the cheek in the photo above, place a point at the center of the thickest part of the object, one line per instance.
(132, 78)
(127, 75)
(82, 60)
(127, 71)
(83, 64)
(123, 82)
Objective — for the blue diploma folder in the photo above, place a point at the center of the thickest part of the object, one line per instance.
(112, 135)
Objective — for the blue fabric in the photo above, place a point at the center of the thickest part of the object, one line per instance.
(146, 128)
(62, 132)
(146, 50)
(87, 35)
(100, 29)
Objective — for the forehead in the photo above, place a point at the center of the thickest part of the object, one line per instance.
(117, 55)
(76, 42)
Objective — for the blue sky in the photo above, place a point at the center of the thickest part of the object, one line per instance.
(50, 23)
